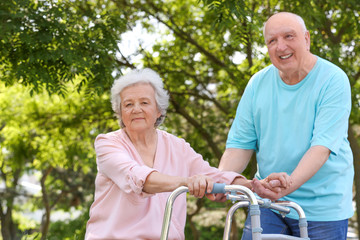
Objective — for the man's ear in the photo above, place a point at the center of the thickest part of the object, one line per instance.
(307, 40)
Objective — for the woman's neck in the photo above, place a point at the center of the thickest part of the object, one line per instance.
(145, 144)
(142, 138)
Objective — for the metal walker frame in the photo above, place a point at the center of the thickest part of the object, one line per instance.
(246, 198)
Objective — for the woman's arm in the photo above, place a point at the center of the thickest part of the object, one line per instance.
(157, 182)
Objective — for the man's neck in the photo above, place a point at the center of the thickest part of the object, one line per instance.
(298, 75)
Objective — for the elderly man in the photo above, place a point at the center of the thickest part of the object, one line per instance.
(294, 115)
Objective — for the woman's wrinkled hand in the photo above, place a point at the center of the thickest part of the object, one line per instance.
(199, 185)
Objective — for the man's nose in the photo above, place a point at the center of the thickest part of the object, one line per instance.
(281, 45)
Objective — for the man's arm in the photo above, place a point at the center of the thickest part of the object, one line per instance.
(308, 166)
(311, 162)
(235, 159)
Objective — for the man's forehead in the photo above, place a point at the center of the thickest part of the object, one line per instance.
(282, 16)
(280, 29)
(282, 21)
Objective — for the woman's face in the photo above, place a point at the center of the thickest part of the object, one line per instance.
(139, 110)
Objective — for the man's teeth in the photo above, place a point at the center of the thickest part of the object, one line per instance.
(286, 56)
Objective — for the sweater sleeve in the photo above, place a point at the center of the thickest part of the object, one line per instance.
(116, 163)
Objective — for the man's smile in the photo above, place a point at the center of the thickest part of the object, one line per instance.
(286, 56)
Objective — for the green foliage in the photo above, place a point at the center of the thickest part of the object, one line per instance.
(49, 132)
(206, 232)
(25, 223)
(70, 229)
(46, 44)
(59, 58)
(32, 236)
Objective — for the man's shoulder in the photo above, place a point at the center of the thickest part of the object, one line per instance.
(329, 67)
(331, 75)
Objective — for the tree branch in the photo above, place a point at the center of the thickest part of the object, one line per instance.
(197, 126)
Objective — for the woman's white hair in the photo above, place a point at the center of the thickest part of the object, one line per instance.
(146, 75)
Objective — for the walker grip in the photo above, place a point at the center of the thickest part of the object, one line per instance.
(218, 188)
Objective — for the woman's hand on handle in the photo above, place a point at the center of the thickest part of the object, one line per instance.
(199, 185)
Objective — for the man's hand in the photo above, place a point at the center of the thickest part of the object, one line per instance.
(275, 186)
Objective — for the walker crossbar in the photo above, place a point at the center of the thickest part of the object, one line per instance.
(247, 200)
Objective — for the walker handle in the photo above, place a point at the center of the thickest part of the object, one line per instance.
(218, 188)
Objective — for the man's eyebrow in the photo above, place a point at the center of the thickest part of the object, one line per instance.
(290, 31)
(287, 31)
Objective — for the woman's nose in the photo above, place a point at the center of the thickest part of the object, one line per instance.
(137, 108)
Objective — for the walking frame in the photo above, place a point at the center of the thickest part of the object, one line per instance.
(245, 198)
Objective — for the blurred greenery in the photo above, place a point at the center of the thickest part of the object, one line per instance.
(59, 58)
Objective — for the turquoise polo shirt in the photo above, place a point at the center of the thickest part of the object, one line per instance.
(281, 122)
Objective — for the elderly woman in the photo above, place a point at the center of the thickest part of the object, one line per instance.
(139, 165)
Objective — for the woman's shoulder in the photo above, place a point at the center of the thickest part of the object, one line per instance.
(110, 136)
(169, 137)
(176, 144)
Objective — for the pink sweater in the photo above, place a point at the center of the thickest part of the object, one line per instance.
(120, 209)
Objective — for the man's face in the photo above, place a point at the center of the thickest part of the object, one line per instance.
(287, 42)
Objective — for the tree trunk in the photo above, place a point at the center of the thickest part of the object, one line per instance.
(6, 224)
(356, 152)
(8, 227)
(45, 222)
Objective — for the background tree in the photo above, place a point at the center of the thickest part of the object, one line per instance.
(45, 44)
(206, 51)
(51, 137)
(57, 46)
